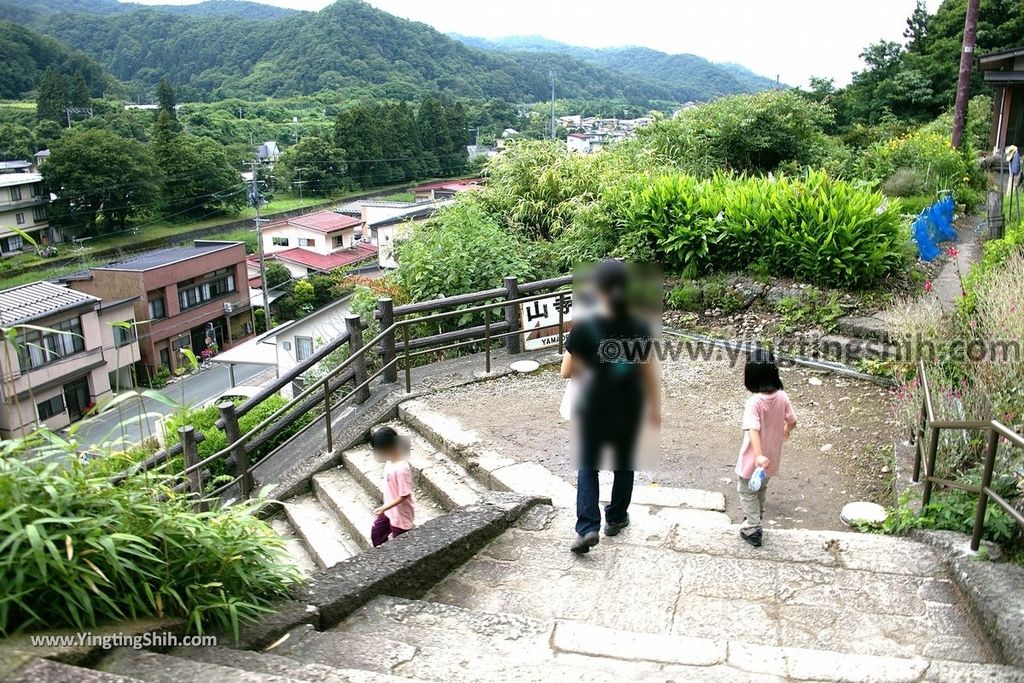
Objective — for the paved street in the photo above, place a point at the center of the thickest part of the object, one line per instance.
(191, 390)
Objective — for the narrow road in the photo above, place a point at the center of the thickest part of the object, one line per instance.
(132, 422)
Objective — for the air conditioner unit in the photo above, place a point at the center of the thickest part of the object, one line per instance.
(229, 307)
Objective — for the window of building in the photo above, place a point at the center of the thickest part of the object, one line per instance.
(19, 218)
(51, 407)
(339, 241)
(165, 358)
(37, 189)
(124, 333)
(192, 295)
(307, 242)
(12, 243)
(303, 348)
(157, 310)
(15, 193)
(39, 213)
(279, 241)
(37, 348)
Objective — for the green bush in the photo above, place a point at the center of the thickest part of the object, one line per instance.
(78, 551)
(685, 297)
(750, 133)
(815, 229)
(930, 156)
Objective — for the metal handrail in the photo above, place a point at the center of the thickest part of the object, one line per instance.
(996, 430)
(323, 383)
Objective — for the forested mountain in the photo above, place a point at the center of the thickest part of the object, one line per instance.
(21, 11)
(27, 55)
(348, 47)
(688, 76)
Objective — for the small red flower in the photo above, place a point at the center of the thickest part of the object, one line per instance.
(953, 252)
(928, 285)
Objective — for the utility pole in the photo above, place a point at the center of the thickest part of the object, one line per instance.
(300, 182)
(551, 75)
(963, 84)
(257, 199)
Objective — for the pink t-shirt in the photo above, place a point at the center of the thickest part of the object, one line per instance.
(767, 413)
(398, 482)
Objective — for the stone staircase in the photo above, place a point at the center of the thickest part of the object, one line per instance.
(677, 596)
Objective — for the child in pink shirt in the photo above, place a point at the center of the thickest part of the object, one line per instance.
(767, 421)
(397, 514)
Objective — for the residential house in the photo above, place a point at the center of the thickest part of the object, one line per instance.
(268, 152)
(1004, 73)
(386, 228)
(40, 158)
(444, 189)
(297, 340)
(72, 351)
(316, 242)
(25, 205)
(187, 297)
(16, 166)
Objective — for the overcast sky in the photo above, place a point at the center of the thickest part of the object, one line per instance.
(794, 39)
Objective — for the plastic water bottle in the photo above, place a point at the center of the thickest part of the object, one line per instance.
(757, 479)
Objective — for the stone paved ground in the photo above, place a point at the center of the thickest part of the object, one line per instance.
(839, 453)
(838, 591)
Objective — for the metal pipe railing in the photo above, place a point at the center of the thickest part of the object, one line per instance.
(323, 387)
(927, 424)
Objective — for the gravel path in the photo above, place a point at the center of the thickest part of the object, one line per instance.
(840, 452)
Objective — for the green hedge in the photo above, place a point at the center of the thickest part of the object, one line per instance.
(816, 229)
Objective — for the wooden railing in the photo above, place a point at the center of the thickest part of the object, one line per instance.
(926, 451)
(391, 347)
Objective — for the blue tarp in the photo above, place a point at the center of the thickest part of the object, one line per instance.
(934, 225)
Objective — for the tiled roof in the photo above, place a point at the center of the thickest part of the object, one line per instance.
(38, 300)
(327, 262)
(321, 221)
(165, 257)
(441, 183)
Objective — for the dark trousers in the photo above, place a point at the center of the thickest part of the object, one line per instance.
(588, 514)
(382, 530)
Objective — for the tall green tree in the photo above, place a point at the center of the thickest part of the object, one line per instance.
(434, 136)
(100, 179)
(457, 157)
(322, 164)
(78, 94)
(53, 97)
(360, 132)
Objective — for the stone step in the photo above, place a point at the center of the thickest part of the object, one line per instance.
(448, 643)
(829, 591)
(349, 502)
(294, 547)
(160, 668)
(324, 537)
(269, 663)
(363, 466)
(501, 473)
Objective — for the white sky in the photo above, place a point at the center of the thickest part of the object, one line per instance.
(795, 39)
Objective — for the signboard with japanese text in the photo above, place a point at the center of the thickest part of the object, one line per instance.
(540, 319)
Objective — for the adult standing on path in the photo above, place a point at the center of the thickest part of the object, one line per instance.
(606, 357)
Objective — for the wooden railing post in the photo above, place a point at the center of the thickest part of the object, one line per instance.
(514, 342)
(234, 433)
(190, 452)
(919, 440)
(986, 483)
(355, 342)
(386, 308)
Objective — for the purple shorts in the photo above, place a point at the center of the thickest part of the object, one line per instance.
(382, 530)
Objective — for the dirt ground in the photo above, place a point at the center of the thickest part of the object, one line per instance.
(840, 452)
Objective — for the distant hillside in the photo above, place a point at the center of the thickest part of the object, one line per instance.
(349, 47)
(15, 10)
(26, 55)
(688, 76)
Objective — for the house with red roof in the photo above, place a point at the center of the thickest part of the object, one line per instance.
(316, 242)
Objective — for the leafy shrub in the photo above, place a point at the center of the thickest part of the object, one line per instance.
(754, 133)
(685, 297)
(904, 182)
(820, 230)
(205, 420)
(930, 155)
(78, 551)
